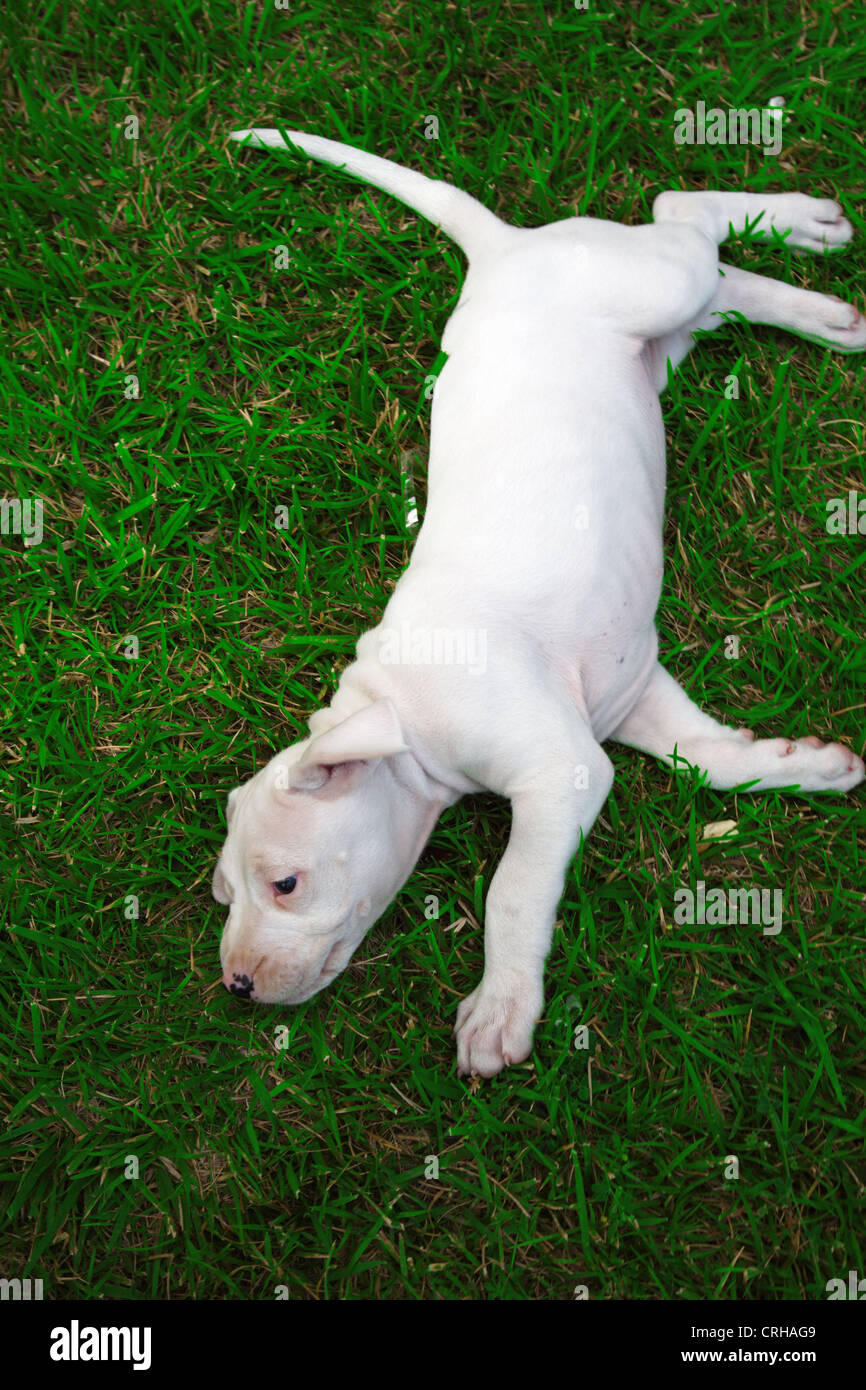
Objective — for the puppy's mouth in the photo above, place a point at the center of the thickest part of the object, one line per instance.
(335, 962)
(276, 982)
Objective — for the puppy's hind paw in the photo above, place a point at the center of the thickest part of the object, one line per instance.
(810, 764)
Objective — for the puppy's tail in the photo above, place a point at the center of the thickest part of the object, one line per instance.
(466, 221)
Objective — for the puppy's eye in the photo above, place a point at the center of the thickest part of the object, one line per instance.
(285, 885)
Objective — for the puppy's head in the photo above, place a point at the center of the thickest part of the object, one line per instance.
(318, 844)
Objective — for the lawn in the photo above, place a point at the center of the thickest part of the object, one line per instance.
(224, 435)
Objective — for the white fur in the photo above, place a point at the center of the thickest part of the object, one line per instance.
(543, 534)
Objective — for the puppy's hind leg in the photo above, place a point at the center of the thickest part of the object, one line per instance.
(671, 277)
(821, 318)
(666, 723)
(649, 279)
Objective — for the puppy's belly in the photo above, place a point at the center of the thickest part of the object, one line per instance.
(547, 464)
(543, 527)
(609, 684)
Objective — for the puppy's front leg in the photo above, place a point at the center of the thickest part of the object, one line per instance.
(551, 808)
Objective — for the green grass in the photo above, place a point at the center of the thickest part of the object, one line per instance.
(307, 1167)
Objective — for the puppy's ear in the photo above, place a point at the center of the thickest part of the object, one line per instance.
(230, 805)
(218, 886)
(373, 732)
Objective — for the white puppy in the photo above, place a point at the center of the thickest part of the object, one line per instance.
(522, 635)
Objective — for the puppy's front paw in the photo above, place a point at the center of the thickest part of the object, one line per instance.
(495, 1025)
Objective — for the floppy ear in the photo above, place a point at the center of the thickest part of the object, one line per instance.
(230, 805)
(218, 886)
(373, 732)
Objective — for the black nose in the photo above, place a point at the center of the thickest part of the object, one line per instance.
(242, 986)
